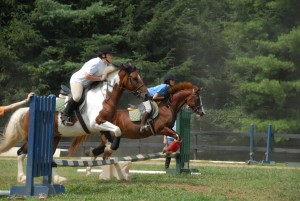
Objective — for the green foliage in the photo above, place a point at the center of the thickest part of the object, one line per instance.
(244, 53)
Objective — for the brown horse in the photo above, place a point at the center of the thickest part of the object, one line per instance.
(181, 94)
(101, 102)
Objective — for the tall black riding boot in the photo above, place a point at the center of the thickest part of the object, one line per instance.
(144, 126)
(66, 117)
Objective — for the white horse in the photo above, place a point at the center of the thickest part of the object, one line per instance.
(101, 102)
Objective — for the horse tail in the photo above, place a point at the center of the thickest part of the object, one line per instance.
(76, 143)
(14, 130)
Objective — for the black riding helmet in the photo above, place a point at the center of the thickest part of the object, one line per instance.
(169, 77)
(105, 49)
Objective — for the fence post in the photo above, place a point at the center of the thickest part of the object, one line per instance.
(40, 149)
(268, 149)
(183, 128)
(250, 161)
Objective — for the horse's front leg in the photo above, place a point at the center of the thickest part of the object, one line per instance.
(170, 132)
(107, 126)
(174, 146)
(106, 139)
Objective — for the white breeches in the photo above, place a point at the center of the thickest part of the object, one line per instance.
(147, 105)
(76, 89)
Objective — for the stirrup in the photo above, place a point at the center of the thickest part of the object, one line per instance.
(144, 128)
(67, 121)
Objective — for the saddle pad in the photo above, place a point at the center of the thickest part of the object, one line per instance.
(60, 104)
(135, 115)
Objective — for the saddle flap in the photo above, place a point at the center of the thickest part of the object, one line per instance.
(65, 90)
(136, 114)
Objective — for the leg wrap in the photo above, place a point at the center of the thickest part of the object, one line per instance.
(98, 150)
(116, 143)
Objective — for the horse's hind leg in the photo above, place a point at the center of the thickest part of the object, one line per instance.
(22, 152)
(57, 179)
(21, 175)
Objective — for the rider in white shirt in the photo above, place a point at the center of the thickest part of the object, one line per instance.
(94, 70)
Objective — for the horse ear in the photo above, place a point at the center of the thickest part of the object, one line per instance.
(119, 65)
(130, 65)
(201, 88)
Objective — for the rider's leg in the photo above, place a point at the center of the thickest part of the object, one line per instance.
(66, 118)
(145, 116)
(76, 89)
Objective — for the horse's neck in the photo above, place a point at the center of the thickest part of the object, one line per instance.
(178, 100)
(113, 95)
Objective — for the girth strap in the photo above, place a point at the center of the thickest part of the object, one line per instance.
(81, 121)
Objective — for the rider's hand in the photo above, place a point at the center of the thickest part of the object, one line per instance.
(103, 77)
(166, 96)
(29, 95)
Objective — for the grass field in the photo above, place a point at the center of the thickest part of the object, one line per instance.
(216, 182)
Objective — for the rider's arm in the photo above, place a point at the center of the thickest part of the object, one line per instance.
(157, 97)
(93, 78)
(18, 104)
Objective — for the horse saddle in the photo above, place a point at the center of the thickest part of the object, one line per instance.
(135, 112)
(64, 95)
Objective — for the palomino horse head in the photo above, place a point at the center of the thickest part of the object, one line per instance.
(131, 80)
(194, 101)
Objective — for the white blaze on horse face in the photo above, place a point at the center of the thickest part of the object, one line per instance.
(202, 108)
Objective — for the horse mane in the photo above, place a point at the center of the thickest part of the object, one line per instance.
(180, 86)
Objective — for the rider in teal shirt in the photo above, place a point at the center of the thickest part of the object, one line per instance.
(157, 93)
(161, 90)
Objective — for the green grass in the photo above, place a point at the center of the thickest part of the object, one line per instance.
(226, 182)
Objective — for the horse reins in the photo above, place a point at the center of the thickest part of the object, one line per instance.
(136, 91)
(199, 102)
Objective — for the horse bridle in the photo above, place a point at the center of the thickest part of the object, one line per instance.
(199, 106)
(136, 92)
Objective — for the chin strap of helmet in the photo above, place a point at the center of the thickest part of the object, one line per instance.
(105, 58)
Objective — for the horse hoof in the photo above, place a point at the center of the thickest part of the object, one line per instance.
(22, 179)
(89, 152)
(59, 179)
(106, 155)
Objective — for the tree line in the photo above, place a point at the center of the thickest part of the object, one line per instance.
(245, 53)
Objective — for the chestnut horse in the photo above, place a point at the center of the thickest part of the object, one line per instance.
(181, 94)
(101, 102)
